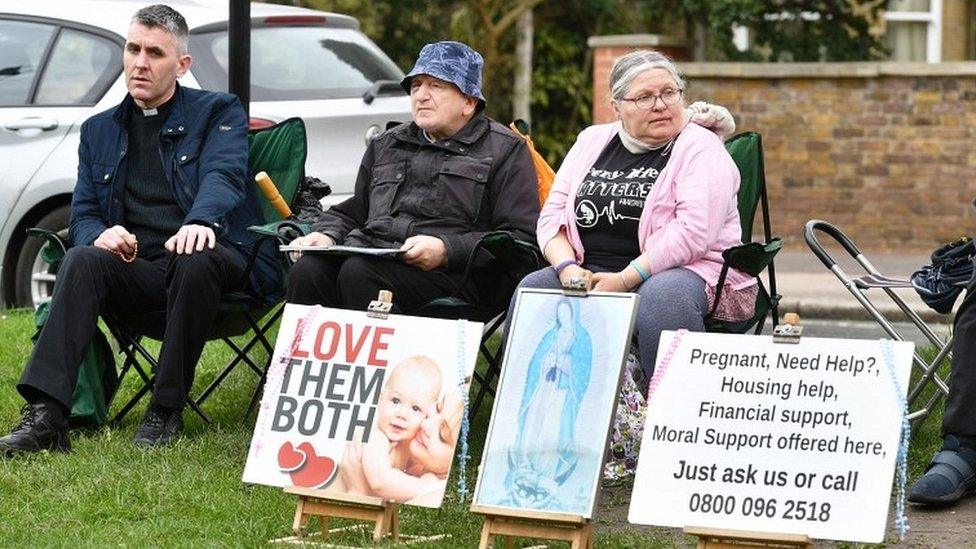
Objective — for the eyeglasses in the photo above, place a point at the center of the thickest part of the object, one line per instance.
(668, 96)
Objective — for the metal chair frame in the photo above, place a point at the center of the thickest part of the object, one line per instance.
(875, 280)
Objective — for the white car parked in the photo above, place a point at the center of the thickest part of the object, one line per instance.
(61, 62)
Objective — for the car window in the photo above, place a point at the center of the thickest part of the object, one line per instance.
(22, 46)
(297, 63)
(79, 69)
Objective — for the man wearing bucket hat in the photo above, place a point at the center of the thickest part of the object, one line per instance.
(431, 188)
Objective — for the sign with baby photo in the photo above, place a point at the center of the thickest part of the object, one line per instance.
(363, 406)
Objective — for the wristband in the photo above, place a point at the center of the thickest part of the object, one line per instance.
(563, 264)
(640, 270)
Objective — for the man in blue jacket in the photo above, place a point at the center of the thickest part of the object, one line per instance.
(158, 222)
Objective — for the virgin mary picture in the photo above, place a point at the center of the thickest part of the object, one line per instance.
(556, 396)
(544, 457)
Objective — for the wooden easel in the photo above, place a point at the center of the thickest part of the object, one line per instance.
(720, 538)
(575, 529)
(504, 522)
(326, 505)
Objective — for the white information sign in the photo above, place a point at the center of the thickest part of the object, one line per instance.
(748, 434)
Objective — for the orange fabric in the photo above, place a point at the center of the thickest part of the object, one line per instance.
(544, 173)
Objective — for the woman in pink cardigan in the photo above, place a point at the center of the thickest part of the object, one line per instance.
(646, 204)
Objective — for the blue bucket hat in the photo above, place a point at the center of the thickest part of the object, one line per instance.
(452, 62)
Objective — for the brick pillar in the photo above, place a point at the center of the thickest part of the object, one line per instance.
(607, 49)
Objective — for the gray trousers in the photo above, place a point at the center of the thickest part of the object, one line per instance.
(669, 300)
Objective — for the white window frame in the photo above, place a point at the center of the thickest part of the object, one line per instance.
(933, 31)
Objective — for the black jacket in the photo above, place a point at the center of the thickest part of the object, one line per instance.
(479, 180)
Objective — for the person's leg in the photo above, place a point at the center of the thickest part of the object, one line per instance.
(90, 281)
(312, 280)
(952, 471)
(194, 285)
(362, 277)
(544, 278)
(959, 418)
(670, 300)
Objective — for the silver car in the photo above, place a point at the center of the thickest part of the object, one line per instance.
(61, 62)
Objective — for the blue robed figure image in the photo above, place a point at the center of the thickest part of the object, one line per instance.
(548, 432)
(557, 379)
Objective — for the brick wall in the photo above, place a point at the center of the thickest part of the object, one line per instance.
(887, 152)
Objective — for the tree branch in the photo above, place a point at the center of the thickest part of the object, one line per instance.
(483, 14)
(509, 18)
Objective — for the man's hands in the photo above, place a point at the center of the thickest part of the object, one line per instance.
(311, 239)
(424, 252)
(117, 240)
(191, 238)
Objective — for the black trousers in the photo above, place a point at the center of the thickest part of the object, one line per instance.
(960, 412)
(92, 281)
(352, 282)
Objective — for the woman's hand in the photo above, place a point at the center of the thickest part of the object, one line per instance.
(610, 282)
(351, 469)
(568, 274)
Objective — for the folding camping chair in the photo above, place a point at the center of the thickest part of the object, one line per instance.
(280, 151)
(875, 280)
(750, 257)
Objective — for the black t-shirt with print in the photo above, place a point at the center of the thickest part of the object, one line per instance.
(610, 200)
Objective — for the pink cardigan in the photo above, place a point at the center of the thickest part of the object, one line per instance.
(689, 217)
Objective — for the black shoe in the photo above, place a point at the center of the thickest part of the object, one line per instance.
(160, 427)
(950, 476)
(40, 429)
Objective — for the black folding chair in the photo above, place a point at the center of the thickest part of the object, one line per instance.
(504, 260)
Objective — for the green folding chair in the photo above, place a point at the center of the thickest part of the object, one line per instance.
(280, 151)
(750, 257)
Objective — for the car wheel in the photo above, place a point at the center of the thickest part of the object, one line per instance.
(34, 277)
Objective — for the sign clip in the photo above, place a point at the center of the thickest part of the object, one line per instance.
(381, 306)
(789, 331)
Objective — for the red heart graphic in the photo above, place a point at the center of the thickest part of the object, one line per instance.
(291, 460)
(317, 472)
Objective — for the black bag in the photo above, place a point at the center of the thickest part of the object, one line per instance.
(307, 205)
(940, 283)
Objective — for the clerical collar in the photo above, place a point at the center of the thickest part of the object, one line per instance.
(159, 109)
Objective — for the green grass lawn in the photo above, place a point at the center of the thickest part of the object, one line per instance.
(107, 492)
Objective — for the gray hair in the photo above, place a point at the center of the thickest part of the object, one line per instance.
(168, 19)
(634, 63)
